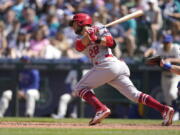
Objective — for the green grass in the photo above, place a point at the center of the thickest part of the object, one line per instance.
(30, 131)
(86, 131)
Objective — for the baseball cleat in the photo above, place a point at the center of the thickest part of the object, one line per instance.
(99, 116)
(167, 116)
(55, 116)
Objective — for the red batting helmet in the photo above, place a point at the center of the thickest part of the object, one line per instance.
(82, 19)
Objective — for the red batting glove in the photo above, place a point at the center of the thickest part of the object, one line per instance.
(92, 33)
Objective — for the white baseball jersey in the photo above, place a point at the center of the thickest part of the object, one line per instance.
(173, 53)
(169, 80)
(107, 69)
(98, 53)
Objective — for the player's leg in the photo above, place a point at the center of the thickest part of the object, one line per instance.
(94, 78)
(62, 108)
(4, 101)
(32, 96)
(174, 95)
(173, 91)
(74, 113)
(165, 84)
(124, 85)
(176, 114)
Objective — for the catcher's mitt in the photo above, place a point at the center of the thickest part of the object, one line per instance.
(152, 61)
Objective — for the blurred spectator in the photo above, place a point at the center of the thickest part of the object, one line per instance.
(69, 34)
(64, 45)
(29, 19)
(18, 7)
(9, 19)
(129, 32)
(38, 43)
(113, 7)
(171, 14)
(11, 32)
(40, 46)
(3, 40)
(12, 37)
(5, 4)
(22, 43)
(154, 19)
(53, 25)
(53, 16)
(141, 4)
(60, 42)
(154, 46)
(101, 17)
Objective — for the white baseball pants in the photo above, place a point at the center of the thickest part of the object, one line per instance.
(114, 72)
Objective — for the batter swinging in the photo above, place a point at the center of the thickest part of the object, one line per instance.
(97, 42)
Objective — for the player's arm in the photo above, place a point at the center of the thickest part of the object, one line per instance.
(90, 35)
(108, 41)
(82, 43)
(175, 69)
(104, 40)
(149, 52)
(173, 60)
(168, 66)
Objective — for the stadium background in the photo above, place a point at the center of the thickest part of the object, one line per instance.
(50, 18)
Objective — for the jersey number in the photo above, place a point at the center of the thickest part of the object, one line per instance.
(93, 51)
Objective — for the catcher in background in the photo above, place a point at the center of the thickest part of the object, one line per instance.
(166, 64)
(169, 80)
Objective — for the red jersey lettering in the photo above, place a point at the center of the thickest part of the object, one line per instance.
(93, 51)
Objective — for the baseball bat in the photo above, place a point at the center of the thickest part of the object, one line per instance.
(126, 18)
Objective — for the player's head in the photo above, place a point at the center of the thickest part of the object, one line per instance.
(167, 40)
(25, 59)
(79, 21)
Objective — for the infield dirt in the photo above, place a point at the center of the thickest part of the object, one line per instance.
(82, 125)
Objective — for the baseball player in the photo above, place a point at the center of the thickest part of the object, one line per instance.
(166, 64)
(28, 85)
(97, 43)
(4, 101)
(29, 80)
(65, 98)
(169, 80)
